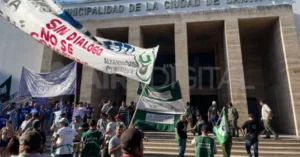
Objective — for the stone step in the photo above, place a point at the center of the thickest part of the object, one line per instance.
(175, 154)
(172, 137)
(239, 142)
(234, 146)
(233, 151)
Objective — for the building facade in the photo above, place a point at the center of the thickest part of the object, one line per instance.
(237, 51)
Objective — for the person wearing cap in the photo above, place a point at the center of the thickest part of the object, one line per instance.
(92, 141)
(30, 144)
(63, 139)
(37, 127)
(252, 129)
(119, 121)
(114, 147)
(56, 125)
(76, 124)
(132, 143)
(213, 113)
(205, 146)
(181, 134)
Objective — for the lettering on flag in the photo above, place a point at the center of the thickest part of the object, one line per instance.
(160, 118)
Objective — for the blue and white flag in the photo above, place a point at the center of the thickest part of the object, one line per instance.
(41, 85)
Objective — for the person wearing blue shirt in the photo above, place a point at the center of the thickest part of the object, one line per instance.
(24, 110)
(48, 117)
(13, 116)
(35, 110)
(3, 118)
(90, 110)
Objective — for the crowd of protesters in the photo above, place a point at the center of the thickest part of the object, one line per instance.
(205, 145)
(75, 133)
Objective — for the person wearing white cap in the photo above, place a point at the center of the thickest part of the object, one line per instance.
(213, 113)
(63, 139)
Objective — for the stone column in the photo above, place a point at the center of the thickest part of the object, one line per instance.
(91, 85)
(47, 60)
(135, 38)
(292, 61)
(181, 60)
(235, 70)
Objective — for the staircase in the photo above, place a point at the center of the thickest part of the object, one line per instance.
(163, 144)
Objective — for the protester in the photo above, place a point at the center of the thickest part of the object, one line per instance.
(63, 139)
(76, 125)
(29, 123)
(189, 113)
(24, 111)
(181, 132)
(252, 130)
(131, 110)
(6, 134)
(198, 126)
(36, 126)
(13, 116)
(3, 118)
(233, 117)
(92, 141)
(132, 143)
(266, 116)
(106, 107)
(36, 109)
(102, 122)
(56, 125)
(114, 148)
(109, 133)
(90, 110)
(119, 122)
(30, 143)
(28, 117)
(213, 114)
(42, 116)
(112, 111)
(48, 117)
(205, 146)
(124, 113)
(13, 147)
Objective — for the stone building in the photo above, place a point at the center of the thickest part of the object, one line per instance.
(224, 50)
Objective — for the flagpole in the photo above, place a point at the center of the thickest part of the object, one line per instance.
(138, 103)
(220, 117)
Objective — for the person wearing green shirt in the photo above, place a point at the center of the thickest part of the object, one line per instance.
(92, 141)
(205, 146)
(233, 117)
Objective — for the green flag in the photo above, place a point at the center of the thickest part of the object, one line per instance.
(222, 130)
(159, 108)
(5, 90)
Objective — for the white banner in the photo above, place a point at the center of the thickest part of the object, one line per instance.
(160, 118)
(35, 18)
(171, 107)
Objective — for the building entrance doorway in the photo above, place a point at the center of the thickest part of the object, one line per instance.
(202, 103)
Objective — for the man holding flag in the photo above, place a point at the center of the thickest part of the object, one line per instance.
(222, 134)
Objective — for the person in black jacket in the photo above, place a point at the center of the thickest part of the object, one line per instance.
(197, 128)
